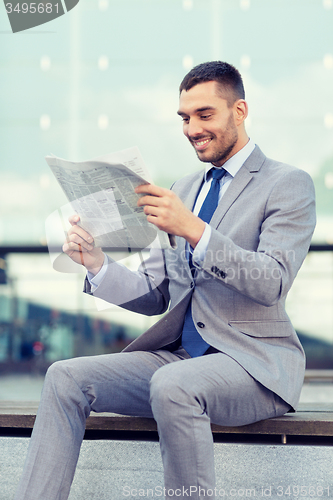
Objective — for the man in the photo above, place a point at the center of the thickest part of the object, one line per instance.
(226, 351)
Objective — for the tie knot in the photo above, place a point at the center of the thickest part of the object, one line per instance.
(218, 173)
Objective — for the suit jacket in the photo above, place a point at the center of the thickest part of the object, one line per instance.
(261, 233)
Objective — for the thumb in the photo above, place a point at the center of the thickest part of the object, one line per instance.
(74, 219)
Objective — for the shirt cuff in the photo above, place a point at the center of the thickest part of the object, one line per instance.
(199, 253)
(96, 279)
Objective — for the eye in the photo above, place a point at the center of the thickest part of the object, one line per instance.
(185, 119)
(205, 117)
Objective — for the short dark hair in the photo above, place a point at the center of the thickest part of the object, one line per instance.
(226, 75)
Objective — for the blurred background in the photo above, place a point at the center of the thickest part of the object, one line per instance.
(104, 77)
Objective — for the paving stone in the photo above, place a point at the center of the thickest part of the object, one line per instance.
(113, 470)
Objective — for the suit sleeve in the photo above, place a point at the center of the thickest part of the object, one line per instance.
(266, 273)
(144, 291)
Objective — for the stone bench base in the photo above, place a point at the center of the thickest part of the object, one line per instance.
(115, 470)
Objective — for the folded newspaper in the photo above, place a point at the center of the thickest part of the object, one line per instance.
(101, 192)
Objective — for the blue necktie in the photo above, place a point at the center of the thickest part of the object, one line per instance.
(192, 341)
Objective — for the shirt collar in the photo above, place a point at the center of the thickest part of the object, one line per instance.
(236, 161)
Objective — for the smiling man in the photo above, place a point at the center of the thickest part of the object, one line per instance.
(213, 125)
(225, 352)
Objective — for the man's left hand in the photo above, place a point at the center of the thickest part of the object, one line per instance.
(166, 211)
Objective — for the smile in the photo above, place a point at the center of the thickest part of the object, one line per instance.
(201, 144)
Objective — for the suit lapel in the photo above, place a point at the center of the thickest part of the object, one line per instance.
(189, 200)
(238, 184)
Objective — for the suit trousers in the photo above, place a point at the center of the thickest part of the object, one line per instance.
(183, 394)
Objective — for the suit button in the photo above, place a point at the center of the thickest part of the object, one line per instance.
(214, 269)
(201, 325)
(223, 275)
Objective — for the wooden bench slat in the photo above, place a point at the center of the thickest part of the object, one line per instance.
(318, 376)
(311, 419)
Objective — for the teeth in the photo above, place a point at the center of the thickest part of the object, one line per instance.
(201, 143)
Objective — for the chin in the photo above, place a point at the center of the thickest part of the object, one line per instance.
(205, 157)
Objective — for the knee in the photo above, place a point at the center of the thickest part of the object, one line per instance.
(166, 390)
(56, 370)
(63, 387)
(58, 378)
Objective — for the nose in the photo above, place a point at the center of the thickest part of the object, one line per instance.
(193, 129)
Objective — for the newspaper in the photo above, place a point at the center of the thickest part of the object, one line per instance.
(101, 192)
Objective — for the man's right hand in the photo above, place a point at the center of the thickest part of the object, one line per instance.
(79, 246)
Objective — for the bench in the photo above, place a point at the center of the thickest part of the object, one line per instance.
(311, 420)
(120, 454)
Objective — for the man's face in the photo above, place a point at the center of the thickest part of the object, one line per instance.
(208, 123)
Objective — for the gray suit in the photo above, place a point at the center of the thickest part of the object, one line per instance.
(261, 232)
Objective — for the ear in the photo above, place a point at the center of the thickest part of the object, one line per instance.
(241, 111)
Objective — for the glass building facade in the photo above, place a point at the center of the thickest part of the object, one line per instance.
(104, 77)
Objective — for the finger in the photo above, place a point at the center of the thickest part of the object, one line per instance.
(76, 255)
(152, 201)
(66, 249)
(150, 189)
(73, 240)
(150, 210)
(74, 219)
(79, 235)
(71, 247)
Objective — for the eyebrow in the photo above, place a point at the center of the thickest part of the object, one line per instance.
(198, 110)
